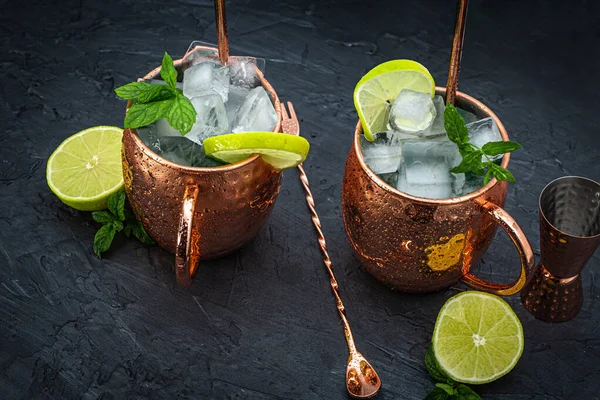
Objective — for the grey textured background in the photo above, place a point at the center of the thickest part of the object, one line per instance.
(262, 323)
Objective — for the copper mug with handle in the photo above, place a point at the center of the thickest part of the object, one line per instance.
(198, 213)
(414, 244)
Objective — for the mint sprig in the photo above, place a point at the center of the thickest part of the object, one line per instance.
(445, 387)
(471, 154)
(117, 218)
(153, 102)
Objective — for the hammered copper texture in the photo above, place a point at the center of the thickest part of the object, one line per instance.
(552, 299)
(233, 202)
(395, 235)
(569, 225)
(569, 236)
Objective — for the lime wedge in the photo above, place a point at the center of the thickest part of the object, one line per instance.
(279, 150)
(477, 338)
(86, 168)
(379, 88)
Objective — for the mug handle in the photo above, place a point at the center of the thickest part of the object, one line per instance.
(187, 252)
(520, 241)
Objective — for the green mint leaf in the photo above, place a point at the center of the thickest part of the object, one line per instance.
(437, 394)
(446, 388)
(432, 367)
(466, 393)
(117, 226)
(103, 239)
(116, 204)
(156, 93)
(500, 173)
(487, 177)
(104, 217)
(128, 229)
(132, 90)
(141, 114)
(471, 162)
(143, 92)
(140, 233)
(182, 114)
(168, 72)
(455, 125)
(495, 148)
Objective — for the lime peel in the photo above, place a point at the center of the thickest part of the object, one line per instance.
(280, 150)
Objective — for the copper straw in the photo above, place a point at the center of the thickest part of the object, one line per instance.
(457, 44)
(223, 42)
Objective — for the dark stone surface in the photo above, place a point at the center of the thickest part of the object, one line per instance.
(262, 323)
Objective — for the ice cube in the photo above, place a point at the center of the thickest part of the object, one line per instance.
(384, 154)
(242, 72)
(466, 183)
(425, 170)
(467, 116)
(412, 112)
(179, 85)
(211, 118)
(391, 178)
(236, 98)
(206, 78)
(181, 151)
(437, 127)
(483, 131)
(148, 135)
(256, 113)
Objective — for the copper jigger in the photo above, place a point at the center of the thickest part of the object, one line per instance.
(198, 213)
(414, 244)
(569, 235)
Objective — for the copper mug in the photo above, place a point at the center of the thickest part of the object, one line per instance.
(198, 213)
(414, 244)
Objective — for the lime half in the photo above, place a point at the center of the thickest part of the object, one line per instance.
(86, 168)
(477, 338)
(379, 88)
(279, 150)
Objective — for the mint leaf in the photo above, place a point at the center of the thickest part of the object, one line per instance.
(466, 393)
(437, 394)
(104, 217)
(141, 114)
(495, 148)
(156, 93)
(500, 173)
(117, 226)
(432, 367)
(471, 161)
(446, 388)
(182, 114)
(487, 177)
(132, 90)
(116, 204)
(140, 233)
(168, 72)
(455, 125)
(103, 239)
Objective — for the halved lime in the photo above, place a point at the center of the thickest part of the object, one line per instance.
(86, 168)
(279, 150)
(379, 88)
(477, 338)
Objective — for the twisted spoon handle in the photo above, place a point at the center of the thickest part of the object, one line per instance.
(327, 261)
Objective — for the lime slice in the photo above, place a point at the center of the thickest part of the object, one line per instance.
(86, 168)
(379, 88)
(477, 338)
(279, 150)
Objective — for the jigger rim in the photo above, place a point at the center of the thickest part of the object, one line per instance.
(222, 168)
(476, 106)
(543, 214)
